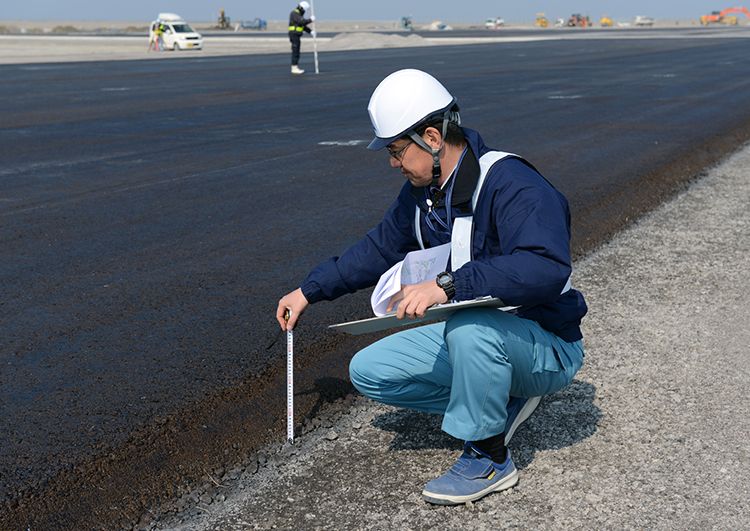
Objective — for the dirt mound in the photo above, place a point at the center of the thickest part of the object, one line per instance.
(352, 41)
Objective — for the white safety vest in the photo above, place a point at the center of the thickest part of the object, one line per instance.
(463, 227)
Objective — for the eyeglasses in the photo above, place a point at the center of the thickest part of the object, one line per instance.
(398, 153)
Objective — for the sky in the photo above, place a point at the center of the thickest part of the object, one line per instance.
(456, 11)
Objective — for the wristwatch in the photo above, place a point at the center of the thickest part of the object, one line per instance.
(445, 281)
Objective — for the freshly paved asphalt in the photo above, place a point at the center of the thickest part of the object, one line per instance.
(151, 214)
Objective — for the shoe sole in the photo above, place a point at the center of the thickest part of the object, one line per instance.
(445, 499)
(526, 411)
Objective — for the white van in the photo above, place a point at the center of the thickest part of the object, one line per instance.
(643, 21)
(178, 35)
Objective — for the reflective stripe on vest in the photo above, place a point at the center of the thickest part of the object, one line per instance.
(298, 29)
(463, 227)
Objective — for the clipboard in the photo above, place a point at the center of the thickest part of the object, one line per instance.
(438, 312)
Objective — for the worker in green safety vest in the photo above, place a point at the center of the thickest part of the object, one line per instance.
(297, 25)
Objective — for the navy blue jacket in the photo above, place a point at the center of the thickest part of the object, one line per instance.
(298, 23)
(521, 243)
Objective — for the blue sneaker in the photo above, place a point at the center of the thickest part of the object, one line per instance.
(473, 476)
(519, 409)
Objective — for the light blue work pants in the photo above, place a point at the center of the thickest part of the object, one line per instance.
(466, 368)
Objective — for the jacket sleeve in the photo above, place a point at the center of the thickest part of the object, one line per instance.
(295, 19)
(524, 249)
(361, 265)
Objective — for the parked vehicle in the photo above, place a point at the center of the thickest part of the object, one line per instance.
(643, 21)
(494, 23)
(255, 24)
(439, 25)
(177, 35)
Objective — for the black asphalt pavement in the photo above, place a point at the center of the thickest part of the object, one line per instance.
(153, 212)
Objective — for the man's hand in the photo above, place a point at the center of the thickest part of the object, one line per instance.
(414, 299)
(296, 303)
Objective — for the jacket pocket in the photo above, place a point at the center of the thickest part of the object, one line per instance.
(477, 243)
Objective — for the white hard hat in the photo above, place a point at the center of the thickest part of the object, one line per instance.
(304, 5)
(402, 101)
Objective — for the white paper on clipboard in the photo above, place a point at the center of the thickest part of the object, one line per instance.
(416, 267)
(438, 312)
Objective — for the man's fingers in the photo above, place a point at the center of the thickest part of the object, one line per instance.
(401, 309)
(395, 300)
(286, 316)
(422, 309)
(410, 308)
(280, 317)
(417, 308)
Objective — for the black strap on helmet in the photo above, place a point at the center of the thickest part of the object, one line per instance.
(448, 116)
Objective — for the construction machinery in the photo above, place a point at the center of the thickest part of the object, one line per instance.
(406, 23)
(722, 17)
(578, 21)
(541, 21)
(223, 22)
(606, 22)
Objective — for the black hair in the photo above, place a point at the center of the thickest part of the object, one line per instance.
(454, 134)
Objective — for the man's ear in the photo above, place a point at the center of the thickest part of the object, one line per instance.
(433, 138)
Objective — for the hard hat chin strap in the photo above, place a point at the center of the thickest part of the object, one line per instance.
(436, 169)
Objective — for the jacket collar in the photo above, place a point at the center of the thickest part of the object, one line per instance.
(465, 182)
(466, 177)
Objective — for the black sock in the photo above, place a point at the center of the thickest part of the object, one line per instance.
(494, 447)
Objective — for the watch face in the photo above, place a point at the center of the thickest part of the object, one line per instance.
(445, 279)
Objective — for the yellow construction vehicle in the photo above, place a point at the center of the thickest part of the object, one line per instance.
(606, 22)
(541, 21)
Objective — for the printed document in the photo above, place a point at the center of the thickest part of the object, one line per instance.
(416, 267)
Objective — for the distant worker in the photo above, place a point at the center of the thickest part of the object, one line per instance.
(159, 36)
(153, 41)
(508, 228)
(297, 24)
(163, 30)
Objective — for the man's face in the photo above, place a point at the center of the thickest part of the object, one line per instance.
(414, 162)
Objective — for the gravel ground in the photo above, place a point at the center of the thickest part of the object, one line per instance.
(652, 434)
